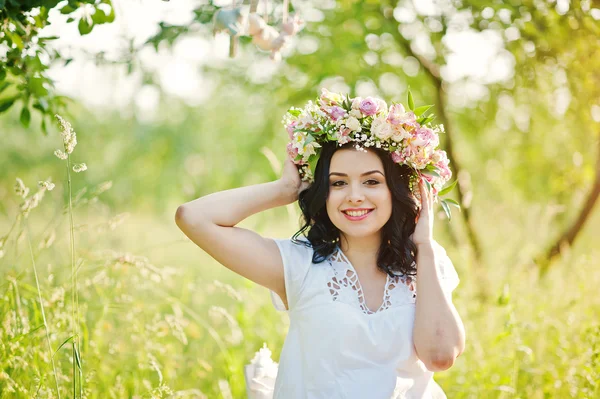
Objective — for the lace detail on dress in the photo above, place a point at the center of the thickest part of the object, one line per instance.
(345, 287)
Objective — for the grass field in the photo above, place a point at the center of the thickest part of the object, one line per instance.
(149, 315)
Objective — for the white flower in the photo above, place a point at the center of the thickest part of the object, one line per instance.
(353, 124)
(356, 102)
(68, 135)
(47, 185)
(380, 128)
(79, 167)
(60, 154)
(356, 113)
(309, 149)
(20, 189)
(399, 134)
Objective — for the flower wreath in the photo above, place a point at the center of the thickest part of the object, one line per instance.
(408, 135)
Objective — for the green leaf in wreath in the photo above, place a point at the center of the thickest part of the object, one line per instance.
(411, 101)
(452, 202)
(421, 110)
(446, 209)
(430, 172)
(312, 161)
(448, 188)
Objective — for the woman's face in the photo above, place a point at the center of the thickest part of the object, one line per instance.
(357, 181)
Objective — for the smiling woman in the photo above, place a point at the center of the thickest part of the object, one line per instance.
(348, 179)
(365, 320)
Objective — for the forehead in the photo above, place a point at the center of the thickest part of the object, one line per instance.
(354, 162)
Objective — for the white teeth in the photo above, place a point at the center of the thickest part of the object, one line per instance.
(357, 213)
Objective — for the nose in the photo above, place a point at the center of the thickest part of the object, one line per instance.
(356, 195)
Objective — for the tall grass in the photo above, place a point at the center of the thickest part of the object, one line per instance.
(145, 330)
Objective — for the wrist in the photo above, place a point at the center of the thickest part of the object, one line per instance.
(425, 246)
(287, 190)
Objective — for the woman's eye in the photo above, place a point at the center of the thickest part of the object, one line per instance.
(370, 182)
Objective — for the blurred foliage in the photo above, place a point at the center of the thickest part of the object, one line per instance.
(26, 56)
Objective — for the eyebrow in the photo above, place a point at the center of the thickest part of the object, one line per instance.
(362, 174)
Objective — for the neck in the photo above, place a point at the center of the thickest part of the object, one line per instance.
(361, 251)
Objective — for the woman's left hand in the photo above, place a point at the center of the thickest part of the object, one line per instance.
(423, 234)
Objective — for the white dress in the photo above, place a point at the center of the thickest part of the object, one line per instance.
(336, 347)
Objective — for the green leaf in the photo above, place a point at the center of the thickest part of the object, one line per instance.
(25, 117)
(312, 161)
(2, 74)
(67, 9)
(44, 126)
(294, 112)
(63, 344)
(427, 120)
(411, 101)
(448, 188)
(421, 110)
(77, 357)
(14, 38)
(84, 26)
(452, 202)
(446, 209)
(111, 16)
(3, 86)
(99, 17)
(309, 139)
(7, 103)
(430, 173)
(427, 184)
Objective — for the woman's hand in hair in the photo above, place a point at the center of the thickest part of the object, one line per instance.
(290, 180)
(423, 234)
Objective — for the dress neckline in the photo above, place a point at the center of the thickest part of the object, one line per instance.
(359, 287)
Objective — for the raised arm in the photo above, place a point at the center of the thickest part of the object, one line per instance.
(210, 221)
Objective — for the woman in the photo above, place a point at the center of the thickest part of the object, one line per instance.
(350, 287)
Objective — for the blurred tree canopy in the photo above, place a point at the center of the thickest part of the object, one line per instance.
(25, 61)
(527, 136)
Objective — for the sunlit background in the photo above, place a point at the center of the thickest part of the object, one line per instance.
(163, 115)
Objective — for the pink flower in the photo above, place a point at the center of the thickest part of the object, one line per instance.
(344, 135)
(369, 106)
(397, 157)
(336, 112)
(399, 116)
(293, 153)
(425, 137)
(290, 129)
(432, 181)
(329, 98)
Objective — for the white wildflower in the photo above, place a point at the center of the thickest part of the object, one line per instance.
(68, 134)
(20, 189)
(61, 154)
(46, 185)
(79, 167)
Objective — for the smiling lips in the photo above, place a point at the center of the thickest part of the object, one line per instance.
(356, 214)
